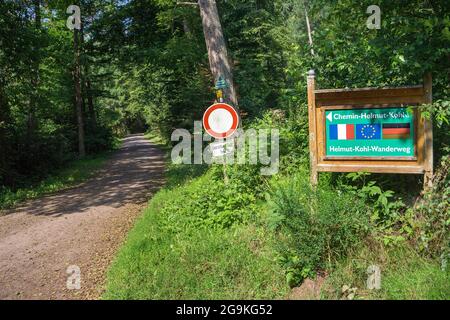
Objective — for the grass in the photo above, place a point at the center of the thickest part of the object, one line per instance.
(172, 254)
(74, 173)
(413, 277)
(405, 275)
(191, 244)
(166, 256)
(156, 139)
(177, 175)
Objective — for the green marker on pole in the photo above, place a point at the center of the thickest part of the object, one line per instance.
(221, 83)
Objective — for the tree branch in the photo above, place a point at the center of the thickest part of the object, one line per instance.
(187, 3)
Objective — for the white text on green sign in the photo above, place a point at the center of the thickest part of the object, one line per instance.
(374, 132)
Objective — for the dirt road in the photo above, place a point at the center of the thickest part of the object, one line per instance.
(81, 227)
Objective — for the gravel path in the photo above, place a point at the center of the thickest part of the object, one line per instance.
(82, 226)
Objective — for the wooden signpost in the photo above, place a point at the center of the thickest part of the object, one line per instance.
(377, 130)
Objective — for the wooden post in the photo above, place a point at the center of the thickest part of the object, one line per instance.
(428, 132)
(312, 127)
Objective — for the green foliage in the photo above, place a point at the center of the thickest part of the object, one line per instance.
(38, 131)
(160, 72)
(147, 69)
(75, 172)
(209, 203)
(385, 211)
(315, 229)
(418, 280)
(252, 30)
(191, 243)
(318, 227)
(201, 264)
(103, 139)
(433, 215)
(405, 275)
(426, 224)
(439, 112)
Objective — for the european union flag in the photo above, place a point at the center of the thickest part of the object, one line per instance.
(368, 131)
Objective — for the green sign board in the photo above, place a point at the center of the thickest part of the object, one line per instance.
(380, 132)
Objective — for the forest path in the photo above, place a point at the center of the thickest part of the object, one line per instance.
(83, 227)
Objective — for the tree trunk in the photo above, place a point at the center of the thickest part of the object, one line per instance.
(90, 101)
(78, 97)
(87, 84)
(4, 141)
(308, 26)
(35, 61)
(217, 49)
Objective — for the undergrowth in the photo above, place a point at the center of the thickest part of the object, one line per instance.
(74, 173)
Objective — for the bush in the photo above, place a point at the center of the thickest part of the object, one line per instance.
(102, 139)
(75, 172)
(317, 227)
(433, 216)
(36, 156)
(195, 241)
(30, 159)
(209, 202)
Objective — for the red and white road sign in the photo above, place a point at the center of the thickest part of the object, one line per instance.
(220, 120)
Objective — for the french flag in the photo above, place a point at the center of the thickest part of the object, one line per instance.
(342, 131)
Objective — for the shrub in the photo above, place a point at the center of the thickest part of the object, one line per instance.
(433, 213)
(190, 244)
(208, 202)
(318, 226)
(101, 139)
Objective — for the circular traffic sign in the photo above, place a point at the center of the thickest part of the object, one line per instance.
(220, 120)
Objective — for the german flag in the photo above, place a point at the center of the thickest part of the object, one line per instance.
(396, 130)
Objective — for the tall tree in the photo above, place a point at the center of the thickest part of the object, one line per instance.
(35, 62)
(87, 85)
(4, 119)
(308, 26)
(217, 50)
(78, 95)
